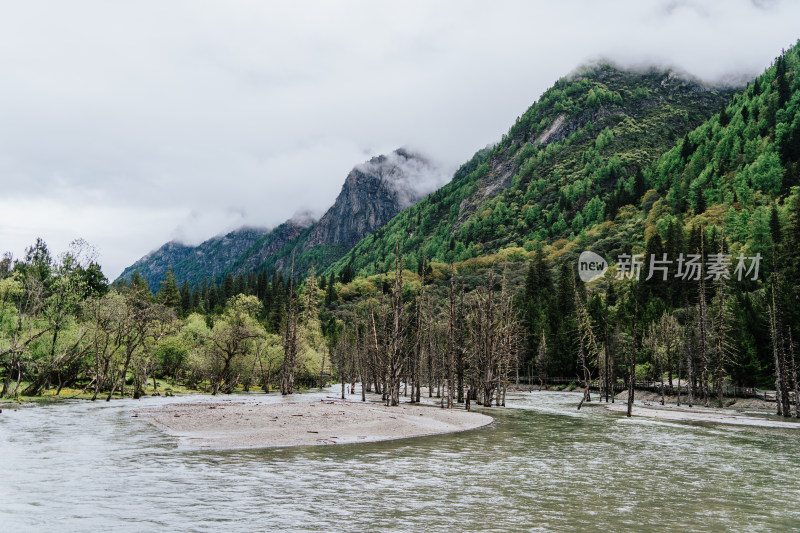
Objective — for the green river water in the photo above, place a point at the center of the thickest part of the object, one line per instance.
(83, 466)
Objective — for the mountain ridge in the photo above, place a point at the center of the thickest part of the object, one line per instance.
(373, 193)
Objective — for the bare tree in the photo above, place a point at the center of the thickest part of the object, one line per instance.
(778, 350)
(589, 350)
(494, 332)
(542, 360)
(632, 356)
(702, 311)
(290, 339)
(397, 353)
(452, 335)
(794, 376)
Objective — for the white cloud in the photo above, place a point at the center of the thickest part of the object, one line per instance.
(131, 123)
(412, 178)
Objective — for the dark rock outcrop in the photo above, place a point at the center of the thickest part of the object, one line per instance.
(373, 193)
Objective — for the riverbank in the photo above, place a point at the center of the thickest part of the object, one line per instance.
(162, 388)
(646, 397)
(251, 424)
(750, 404)
(758, 414)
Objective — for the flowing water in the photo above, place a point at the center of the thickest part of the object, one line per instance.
(81, 466)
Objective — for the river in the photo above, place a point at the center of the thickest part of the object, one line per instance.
(81, 466)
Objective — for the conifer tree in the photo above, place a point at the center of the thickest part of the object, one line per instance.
(639, 187)
(674, 246)
(228, 287)
(290, 339)
(775, 226)
(724, 118)
(262, 284)
(330, 293)
(700, 204)
(186, 298)
(686, 148)
(653, 284)
(168, 294)
(347, 274)
(239, 285)
(138, 282)
(783, 84)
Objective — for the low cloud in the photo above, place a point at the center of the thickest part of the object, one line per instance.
(305, 217)
(198, 227)
(410, 174)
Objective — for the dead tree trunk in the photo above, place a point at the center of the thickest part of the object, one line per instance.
(632, 360)
(451, 336)
(794, 377)
(588, 349)
(290, 339)
(781, 381)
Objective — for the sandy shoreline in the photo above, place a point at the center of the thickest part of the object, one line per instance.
(243, 424)
(715, 416)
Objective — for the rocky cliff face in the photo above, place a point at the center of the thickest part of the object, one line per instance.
(193, 263)
(278, 240)
(373, 193)
(153, 266)
(214, 257)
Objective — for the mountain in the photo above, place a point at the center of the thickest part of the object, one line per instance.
(153, 266)
(608, 161)
(568, 163)
(192, 263)
(372, 194)
(260, 252)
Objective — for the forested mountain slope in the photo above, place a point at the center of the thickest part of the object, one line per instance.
(570, 161)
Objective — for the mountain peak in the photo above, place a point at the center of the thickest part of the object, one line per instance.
(373, 193)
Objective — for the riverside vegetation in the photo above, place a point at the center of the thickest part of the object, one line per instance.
(476, 283)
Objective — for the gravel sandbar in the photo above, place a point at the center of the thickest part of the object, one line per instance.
(226, 424)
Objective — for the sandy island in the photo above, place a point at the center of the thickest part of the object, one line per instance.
(242, 424)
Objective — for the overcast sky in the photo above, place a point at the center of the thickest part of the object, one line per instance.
(132, 123)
